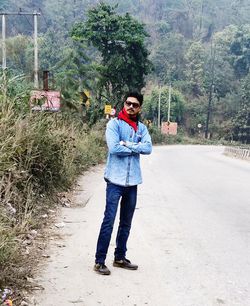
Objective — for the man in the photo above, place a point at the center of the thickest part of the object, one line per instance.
(127, 138)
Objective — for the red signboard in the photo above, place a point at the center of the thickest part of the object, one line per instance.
(42, 100)
(169, 128)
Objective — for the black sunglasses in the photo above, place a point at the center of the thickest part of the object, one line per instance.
(135, 105)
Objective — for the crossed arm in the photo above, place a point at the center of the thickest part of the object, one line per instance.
(124, 147)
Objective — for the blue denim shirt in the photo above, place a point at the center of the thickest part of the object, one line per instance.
(123, 162)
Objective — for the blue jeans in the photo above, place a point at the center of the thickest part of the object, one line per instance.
(128, 196)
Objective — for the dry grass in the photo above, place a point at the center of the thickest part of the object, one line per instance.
(40, 155)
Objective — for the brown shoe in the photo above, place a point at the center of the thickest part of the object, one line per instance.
(125, 264)
(101, 269)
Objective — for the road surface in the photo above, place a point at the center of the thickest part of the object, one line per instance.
(190, 237)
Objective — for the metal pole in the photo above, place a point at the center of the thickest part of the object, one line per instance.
(209, 110)
(36, 84)
(201, 16)
(169, 101)
(211, 89)
(4, 65)
(159, 108)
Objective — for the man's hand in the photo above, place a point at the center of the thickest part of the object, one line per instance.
(128, 143)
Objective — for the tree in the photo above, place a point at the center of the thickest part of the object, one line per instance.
(17, 60)
(195, 58)
(241, 121)
(150, 106)
(168, 58)
(120, 41)
(240, 51)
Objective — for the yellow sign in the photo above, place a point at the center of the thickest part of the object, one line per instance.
(107, 109)
(87, 93)
(87, 103)
(85, 97)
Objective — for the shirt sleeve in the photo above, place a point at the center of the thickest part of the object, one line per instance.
(113, 140)
(144, 146)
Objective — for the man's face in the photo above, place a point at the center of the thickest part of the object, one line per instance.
(132, 106)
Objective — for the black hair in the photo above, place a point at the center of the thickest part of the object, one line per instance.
(136, 95)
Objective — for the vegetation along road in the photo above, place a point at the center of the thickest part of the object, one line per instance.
(191, 237)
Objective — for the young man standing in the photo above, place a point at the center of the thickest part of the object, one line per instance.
(127, 138)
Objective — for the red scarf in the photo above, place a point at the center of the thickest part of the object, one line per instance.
(131, 120)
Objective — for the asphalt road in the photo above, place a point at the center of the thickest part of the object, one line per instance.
(190, 237)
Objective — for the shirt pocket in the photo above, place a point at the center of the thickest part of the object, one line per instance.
(138, 137)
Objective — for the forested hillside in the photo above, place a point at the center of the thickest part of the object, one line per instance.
(201, 47)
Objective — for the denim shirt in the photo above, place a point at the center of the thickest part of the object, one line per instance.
(123, 162)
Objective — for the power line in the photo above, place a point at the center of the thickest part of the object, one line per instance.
(13, 26)
(31, 25)
(40, 10)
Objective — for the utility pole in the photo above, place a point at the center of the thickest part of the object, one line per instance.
(159, 108)
(36, 82)
(3, 42)
(211, 89)
(4, 65)
(201, 17)
(169, 101)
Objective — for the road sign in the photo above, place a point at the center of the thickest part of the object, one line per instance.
(85, 97)
(169, 128)
(113, 111)
(107, 109)
(45, 100)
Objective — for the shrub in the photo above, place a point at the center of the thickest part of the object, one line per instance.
(40, 155)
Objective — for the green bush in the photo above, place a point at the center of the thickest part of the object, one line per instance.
(159, 138)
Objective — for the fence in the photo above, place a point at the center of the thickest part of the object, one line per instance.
(238, 152)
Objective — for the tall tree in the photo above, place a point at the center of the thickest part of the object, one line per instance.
(120, 41)
(240, 51)
(195, 68)
(168, 58)
(241, 121)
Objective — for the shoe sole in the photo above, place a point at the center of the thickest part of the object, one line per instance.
(117, 265)
(102, 273)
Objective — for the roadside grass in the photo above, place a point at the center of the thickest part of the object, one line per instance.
(41, 154)
(182, 138)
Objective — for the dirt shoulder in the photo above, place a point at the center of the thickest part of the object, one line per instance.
(68, 275)
(71, 244)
